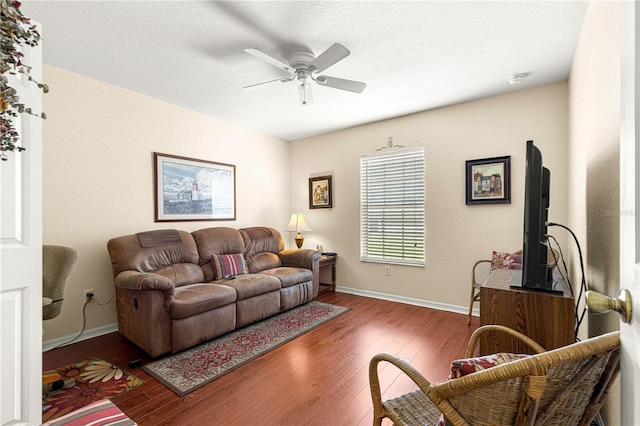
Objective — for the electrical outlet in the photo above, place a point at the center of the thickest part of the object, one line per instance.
(88, 294)
(387, 270)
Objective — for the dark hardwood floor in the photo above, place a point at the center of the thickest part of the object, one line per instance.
(319, 378)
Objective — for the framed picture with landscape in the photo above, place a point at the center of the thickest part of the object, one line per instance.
(488, 181)
(190, 189)
(320, 192)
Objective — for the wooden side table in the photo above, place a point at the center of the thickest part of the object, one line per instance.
(327, 261)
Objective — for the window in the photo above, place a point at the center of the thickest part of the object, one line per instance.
(392, 207)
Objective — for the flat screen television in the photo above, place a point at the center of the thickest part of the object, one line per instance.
(537, 273)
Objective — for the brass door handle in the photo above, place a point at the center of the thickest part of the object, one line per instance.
(598, 303)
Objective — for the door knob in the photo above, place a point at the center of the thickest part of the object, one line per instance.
(598, 303)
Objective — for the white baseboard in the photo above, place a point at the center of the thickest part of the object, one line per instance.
(110, 328)
(409, 300)
(86, 335)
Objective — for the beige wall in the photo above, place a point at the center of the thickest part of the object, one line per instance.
(456, 234)
(98, 147)
(594, 93)
(98, 177)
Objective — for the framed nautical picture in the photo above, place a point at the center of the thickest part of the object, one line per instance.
(191, 189)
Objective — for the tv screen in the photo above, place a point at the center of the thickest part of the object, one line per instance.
(537, 273)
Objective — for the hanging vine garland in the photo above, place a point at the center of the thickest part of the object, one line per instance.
(16, 31)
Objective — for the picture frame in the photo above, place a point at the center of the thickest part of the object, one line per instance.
(488, 181)
(188, 189)
(320, 192)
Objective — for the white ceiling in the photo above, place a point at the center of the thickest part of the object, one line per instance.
(414, 56)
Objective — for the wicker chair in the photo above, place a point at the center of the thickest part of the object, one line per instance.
(565, 386)
(476, 283)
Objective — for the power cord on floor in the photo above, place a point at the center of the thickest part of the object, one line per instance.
(90, 298)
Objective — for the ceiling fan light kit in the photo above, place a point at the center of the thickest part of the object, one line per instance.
(303, 66)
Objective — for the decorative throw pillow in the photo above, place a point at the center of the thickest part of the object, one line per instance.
(462, 367)
(506, 261)
(228, 264)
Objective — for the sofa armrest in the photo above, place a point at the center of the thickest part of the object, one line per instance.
(301, 258)
(146, 281)
(304, 258)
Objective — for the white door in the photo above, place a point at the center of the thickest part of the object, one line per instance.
(629, 212)
(21, 263)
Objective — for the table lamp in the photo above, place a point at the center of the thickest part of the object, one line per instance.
(298, 224)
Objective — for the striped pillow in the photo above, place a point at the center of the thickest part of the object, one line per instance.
(228, 264)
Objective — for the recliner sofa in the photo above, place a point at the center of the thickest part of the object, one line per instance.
(176, 289)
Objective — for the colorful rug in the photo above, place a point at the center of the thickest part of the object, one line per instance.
(101, 413)
(85, 382)
(186, 371)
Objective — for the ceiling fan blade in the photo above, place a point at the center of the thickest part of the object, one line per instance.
(341, 83)
(260, 85)
(306, 97)
(269, 59)
(333, 54)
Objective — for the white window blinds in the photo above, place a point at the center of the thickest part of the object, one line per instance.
(392, 207)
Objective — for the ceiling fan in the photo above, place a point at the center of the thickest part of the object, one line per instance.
(303, 65)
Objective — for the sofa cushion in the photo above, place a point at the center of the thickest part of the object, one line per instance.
(250, 285)
(228, 264)
(197, 298)
(263, 261)
(289, 276)
(259, 239)
(262, 247)
(126, 253)
(182, 273)
(217, 240)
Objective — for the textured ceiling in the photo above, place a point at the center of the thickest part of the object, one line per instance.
(414, 56)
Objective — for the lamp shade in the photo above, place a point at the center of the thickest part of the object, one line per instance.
(297, 223)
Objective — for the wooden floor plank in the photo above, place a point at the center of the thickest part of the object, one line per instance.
(319, 378)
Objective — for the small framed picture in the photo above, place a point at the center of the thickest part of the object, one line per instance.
(488, 181)
(190, 189)
(320, 192)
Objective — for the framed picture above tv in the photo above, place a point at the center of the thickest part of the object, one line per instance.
(191, 189)
(488, 181)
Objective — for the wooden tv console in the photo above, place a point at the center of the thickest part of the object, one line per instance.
(547, 318)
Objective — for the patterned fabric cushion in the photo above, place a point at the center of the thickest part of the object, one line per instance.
(228, 264)
(100, 413)
(506, 261)
(462, 367)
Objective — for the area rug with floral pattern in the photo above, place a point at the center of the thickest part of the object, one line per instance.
(85, 382)
(188, 370)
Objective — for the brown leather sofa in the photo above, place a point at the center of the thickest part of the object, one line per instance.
(168, 294)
